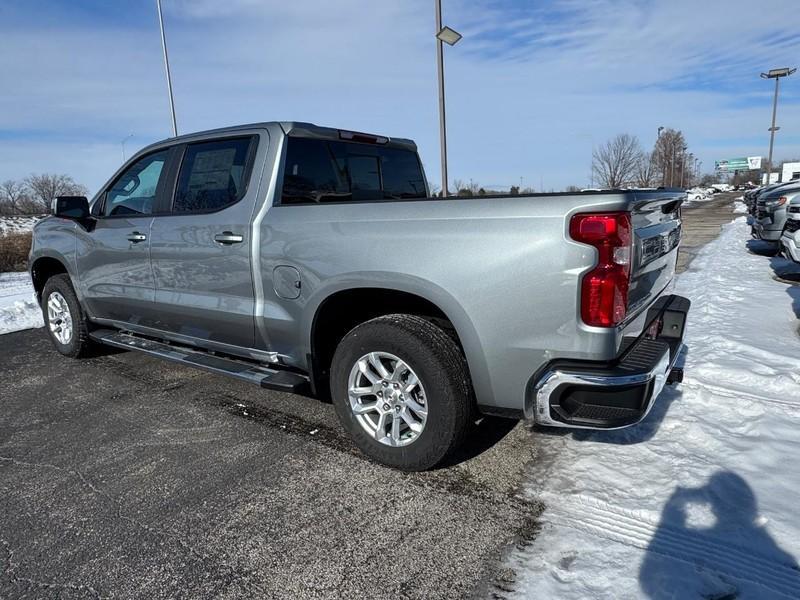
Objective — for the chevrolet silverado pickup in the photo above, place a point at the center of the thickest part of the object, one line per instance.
(312, 260)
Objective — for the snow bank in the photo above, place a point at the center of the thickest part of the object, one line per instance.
(18, 307)
(17, 224)
(701, 499)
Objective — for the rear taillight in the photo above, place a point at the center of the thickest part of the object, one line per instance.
(604, 289)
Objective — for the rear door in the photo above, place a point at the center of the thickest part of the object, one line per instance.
(114, 254)
(200, 249)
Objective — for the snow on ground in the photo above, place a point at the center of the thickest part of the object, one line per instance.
(701, 499)
(18, 307)
(17, 224)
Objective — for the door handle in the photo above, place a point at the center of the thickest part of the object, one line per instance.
(136, 237)
(228, 237)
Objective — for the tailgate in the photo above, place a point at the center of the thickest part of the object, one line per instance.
(656, 221)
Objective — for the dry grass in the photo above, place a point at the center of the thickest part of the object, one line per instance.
(14, 249)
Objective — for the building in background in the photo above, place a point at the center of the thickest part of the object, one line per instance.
(790, 170)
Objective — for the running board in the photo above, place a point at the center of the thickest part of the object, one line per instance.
(266, 377)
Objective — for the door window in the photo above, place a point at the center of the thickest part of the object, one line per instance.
(134, 192)
(213, 175)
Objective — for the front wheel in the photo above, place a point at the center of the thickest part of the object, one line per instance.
(64, 318)
(401, 389)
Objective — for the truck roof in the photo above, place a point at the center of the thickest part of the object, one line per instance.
(301, 129)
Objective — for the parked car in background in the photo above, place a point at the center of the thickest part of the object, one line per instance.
(771, 211)
(311, 260)
(790, 238)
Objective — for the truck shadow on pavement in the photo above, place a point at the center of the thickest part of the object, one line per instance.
(787, 271)
(710, 542)
(761, 248)
(488, 432)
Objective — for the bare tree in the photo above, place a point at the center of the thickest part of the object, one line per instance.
(13, 195)
(614, 163)
(433, 188)
(44, 188)
(645, 175)
(670, 157)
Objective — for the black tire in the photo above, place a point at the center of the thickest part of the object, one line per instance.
(439, 365)
(79, 342)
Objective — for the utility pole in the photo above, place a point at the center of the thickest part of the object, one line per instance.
(125, 139)
(166, 67)
(775, 74)
(450, 37)
(672, 166)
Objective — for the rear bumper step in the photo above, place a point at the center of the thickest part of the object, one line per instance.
(620, 393)
(266, 377)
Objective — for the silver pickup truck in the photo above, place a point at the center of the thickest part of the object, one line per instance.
(312, 260)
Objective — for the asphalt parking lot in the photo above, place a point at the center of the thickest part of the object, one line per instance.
(125, 476)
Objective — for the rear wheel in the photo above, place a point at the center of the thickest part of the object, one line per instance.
(401, 389)
(64, 318)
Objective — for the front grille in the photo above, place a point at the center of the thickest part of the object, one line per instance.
(762, 213)
(793, 225)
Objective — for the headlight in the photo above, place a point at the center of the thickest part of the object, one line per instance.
(776, 202)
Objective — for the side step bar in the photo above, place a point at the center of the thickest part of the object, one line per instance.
(267, 377)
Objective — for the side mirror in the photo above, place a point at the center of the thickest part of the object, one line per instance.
(71, 207)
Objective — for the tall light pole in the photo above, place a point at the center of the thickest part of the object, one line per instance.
(166, 67)
(662, 152)
(775, 74)
(125, 139)
(450, 37)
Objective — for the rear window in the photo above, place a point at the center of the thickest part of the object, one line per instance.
(213, 175)
(333, 171)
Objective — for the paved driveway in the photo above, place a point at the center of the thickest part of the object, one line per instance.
(125, 476)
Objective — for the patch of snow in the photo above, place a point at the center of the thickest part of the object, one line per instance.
(18, 306)
(739, 207)
(17, 223)
(700, 499)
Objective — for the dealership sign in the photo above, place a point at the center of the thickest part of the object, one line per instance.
(748, 163)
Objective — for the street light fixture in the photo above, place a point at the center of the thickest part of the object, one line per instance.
(449, 36)
(444, 35)
(775, 74)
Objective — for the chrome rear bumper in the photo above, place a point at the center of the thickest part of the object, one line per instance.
(620, 393)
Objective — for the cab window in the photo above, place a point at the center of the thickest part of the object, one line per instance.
(213, 175)
(134, 192)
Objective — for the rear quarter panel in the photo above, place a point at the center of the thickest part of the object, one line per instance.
(502, 269)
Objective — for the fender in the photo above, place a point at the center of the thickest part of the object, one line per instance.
(417, 286)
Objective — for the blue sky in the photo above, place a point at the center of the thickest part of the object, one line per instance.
(530, 87)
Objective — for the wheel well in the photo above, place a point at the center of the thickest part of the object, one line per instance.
(42, 270)
(342, 311)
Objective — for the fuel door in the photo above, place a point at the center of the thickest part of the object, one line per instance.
(286, 281)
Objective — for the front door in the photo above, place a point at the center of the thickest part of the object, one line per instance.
(113, 254)
(200, 251)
